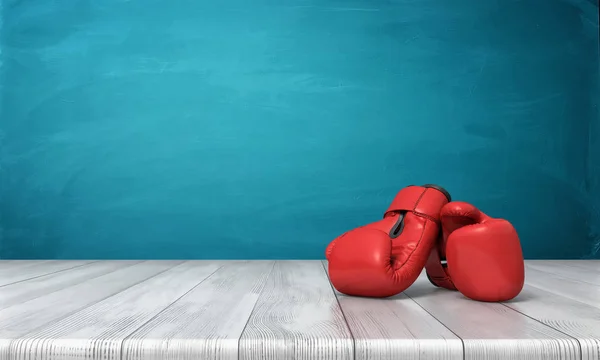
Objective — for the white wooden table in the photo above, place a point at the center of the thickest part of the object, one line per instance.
(282, 310)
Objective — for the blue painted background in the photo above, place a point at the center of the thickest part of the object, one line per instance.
(263, 129)
(593, 179)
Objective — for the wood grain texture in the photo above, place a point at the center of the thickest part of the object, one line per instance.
(577, 290)
(19, 264)
(492, 331)
(153, 310)
(397, 328)
(11, 274)
(297, 316)
(564, 270)
(18, 320)
(573, 318)
(207, 322)
(97, 331)
(23, 291)
(590, 265)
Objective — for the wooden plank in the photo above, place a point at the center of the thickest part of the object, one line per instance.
(23, 291)
(573, 289)
(397, 328)
(297, 317)
(565, 271)
(207, 322)
(20, 319)
(590, 265)
(10, 276)
(99, 308)
(573, 318)
(18, 264)
(491, 330)
(101, 328)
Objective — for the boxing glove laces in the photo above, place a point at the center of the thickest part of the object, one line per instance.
(478, 255)
(384, 258)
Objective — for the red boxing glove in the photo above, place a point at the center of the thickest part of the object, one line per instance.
(477, 255)
(384, 258)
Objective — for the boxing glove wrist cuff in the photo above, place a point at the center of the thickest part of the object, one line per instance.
(423, 200)
(436, 271)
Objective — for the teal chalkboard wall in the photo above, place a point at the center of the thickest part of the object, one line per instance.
(593, 180)
(263, 129)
